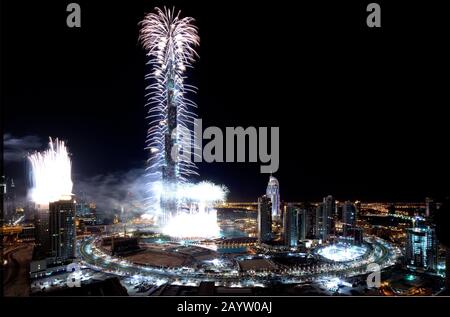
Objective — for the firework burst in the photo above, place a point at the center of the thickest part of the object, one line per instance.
(50, 173)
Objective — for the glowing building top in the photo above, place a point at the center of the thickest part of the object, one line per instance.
(273, 192)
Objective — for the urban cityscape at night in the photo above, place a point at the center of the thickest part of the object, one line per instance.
(172, 149)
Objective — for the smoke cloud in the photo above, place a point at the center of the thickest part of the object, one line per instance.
(114, 191)
(15, 149)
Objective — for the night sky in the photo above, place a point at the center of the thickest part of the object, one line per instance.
(361, 111)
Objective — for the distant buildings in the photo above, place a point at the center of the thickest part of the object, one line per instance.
(273, 192)
(290, 226)
(391, 209)
(264, 219)
(421, 247)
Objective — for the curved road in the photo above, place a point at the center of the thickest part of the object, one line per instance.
(117, 268)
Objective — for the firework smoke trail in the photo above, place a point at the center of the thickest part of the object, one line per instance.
(51, 173)
(170, 43)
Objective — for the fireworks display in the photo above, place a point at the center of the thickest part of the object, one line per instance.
(50, 173)
(170, 42)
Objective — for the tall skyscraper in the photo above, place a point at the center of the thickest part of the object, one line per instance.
(9, 199)
(3, 195)
(421, 247)
(290, 226)
(348, 216)
(302, 223)
(310, 221)
(171, 113)
(62, 230)
(264, 219)
(324, 217)
(431, 207)
(41, 223)
(273, 192)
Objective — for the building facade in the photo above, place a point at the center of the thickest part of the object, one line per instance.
(421, 248)
(348, 217)
(264, 219)
(62, 230)
(290, 226)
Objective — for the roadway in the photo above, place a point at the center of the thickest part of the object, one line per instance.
(16, 274)
(103, 262)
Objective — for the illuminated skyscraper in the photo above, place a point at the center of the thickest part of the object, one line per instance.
(348, 216)
(8, 189)
(3, 194)
(41, 222)
(62, 230)
(273, 192)
(264, 219)
(170, 42)
(302, 223)
(324, 216)
(421, 248)
(290, 226)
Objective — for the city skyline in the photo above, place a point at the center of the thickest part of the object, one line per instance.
(175, 149)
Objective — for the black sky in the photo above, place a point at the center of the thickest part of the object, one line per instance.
(361, 111)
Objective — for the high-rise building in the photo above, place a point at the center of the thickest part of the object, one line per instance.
(324, 217)
(9, 199)
(353, 236)
(3, 195)
(41, 223)
(302, 223)
(290, 226)
(358, 206)
(273, 192)
(3, 185)
(348, 216)
(431, 207)
(421, 247)
(264, 219)
(310, 221)
(62, 230)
